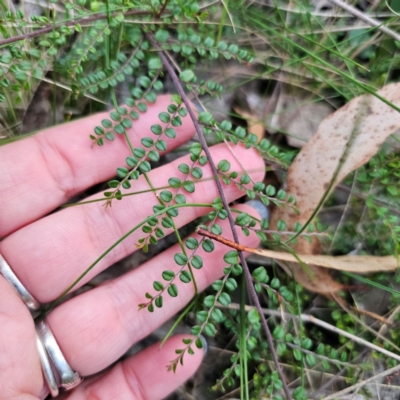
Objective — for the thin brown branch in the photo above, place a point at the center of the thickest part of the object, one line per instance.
(50, 28)
(221, 239)
(225, 203)
(162, 8)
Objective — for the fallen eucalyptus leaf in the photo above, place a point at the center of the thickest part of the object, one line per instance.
(354, 263)
(344, 141)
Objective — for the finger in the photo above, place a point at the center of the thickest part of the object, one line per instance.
(43, 171)
(58, 248)
(143, 376)
(19, 362)
(97, 327)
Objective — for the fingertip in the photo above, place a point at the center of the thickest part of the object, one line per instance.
(156, 361)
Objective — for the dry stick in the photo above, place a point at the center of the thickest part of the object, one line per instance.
(162, 8)
(50, 28)
(325, 325)
(370, 21)
(225, 203)
(362, 383)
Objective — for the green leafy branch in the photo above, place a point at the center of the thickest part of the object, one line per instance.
(213, 313)
(205, 148)
(183, 260)
(115, 73)
(224, 131)
(150, 150)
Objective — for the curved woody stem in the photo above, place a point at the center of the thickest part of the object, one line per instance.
(225, 203)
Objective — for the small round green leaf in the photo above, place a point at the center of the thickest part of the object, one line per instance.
(208, 245)
(122, 172)
(253, 316)
(159, 301)
(209, 301)
(197, 173)
(279, 332)
(173, 290)
(206, 117)
(153, 155)
(161, 145)
(164, 117)
(171, 133)
(185, 277)
(180, 259)
(175, 182)
(197, 262)
(106, 123)
(154, 63)
(180, 199)
(224, 299)
(166, 196)
(191, 243)
(242, 219)
(224, 166)
(216, 229)
(156, 129)
(161, 35)
(187, 76)
(231, 284)
(188, 186)
(158, 286)
(184, 168)
(168, 275)
(217, 285)
(231, 257)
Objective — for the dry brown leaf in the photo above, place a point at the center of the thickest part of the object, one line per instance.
(353, 263)
(357, 130)
(252, 126)
(315, 277)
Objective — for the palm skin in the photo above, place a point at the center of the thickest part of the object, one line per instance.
(48, 252)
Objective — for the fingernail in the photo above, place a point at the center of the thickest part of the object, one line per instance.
(205, 345)
(259, 207)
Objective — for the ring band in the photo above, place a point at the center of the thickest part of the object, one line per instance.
(68, 377)
(9, 275)
(47, 369)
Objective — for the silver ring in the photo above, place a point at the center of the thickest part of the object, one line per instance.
(47, 369)
(68, 377)
(9, 275)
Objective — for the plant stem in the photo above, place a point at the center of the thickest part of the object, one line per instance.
(225, 203)
(47, 29)
(163, 7)
(244, 380)
(123, 237)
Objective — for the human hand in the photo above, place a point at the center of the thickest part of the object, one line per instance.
(48, 252)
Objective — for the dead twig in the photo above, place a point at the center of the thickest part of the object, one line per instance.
(50, 28)
(367, 19)
(325, 325)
